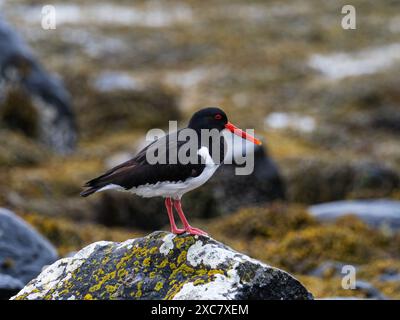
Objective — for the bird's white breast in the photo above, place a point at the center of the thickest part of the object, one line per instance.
(177, 189)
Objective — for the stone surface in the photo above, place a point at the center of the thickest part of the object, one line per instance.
(9, 286)
(23, 252)
(374, 212)
(162, 266)
(316, 180)
(25, 84)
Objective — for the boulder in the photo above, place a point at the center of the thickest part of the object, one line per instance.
(9, 286)
(162, 266)
(31, 99)
(23, 252)
(312, 180)
(375, 212)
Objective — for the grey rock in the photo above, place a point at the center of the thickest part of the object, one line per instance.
(390, 277)
(328, 268)
(23, 251)
(9, 286)
(162, 266)
(370, 291)
(376, 213)
(314, 180)
(20, 70)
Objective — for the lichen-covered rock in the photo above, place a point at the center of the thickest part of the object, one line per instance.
(162, 266)
(23, 252)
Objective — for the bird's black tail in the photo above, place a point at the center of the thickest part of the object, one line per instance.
(88, 192)
(95, 184)
(115, 176)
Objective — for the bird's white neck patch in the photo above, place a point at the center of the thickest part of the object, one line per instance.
(205, 154)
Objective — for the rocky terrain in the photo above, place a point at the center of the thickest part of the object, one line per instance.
(23, 253)
(324, 101)
(162, 266)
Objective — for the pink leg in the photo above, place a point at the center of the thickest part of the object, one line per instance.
(186, 225)
(174, 229)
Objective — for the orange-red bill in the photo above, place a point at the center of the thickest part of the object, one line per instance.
(239, 132)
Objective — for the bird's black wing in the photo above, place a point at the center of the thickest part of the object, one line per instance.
(140, 171)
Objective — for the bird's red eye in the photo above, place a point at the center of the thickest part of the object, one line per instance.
(218, 117)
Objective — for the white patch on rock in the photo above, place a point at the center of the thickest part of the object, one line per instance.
(167, 244)
(127, 244)
(34, 296)
(52, 277)
(213, 255)
(88, 250)
(221, 288)
(46, 280)
(210, 255)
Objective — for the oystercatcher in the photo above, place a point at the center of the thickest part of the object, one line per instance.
(175, 177)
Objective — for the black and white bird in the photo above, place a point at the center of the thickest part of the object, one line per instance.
(177, 175)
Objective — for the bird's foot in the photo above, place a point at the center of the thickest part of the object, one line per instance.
(195, 231)
(177, 230)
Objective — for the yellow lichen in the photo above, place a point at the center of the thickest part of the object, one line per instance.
(162, 264)
(139, 290)
(159, 286)
(101, 281)
(111, 289)
(198, 281)
(153, 250)
(182, 257)
(146, 262)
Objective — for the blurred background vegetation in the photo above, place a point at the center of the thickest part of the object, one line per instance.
(324, 100)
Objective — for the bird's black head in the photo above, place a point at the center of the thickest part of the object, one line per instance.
(208, 118)
(215, 118)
